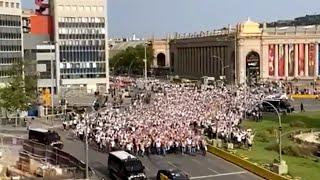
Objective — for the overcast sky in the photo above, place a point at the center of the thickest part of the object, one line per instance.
(159, 17)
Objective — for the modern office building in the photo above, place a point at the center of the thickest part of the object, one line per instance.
(10, 36)
(249, 51)
(80, 38)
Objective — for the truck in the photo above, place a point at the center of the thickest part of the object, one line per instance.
(46, 137)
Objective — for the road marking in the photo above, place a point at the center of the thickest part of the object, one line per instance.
(147, 169)
(171, 164)
(219, 175)
(213, 171)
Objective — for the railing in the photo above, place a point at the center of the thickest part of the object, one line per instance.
(52, 155)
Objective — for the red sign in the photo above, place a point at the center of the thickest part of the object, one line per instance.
(271, 58)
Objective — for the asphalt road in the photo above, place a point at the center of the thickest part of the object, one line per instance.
(197, 167)
(309, 104)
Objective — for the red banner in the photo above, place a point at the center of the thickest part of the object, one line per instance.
(312, 57)
(271, 58)
(301, 60)
(291, 60)
(281, 61)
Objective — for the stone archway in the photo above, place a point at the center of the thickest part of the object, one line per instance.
(253, 66)
(161, 60)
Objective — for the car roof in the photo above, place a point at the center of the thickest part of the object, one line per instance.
(38, 129)
(122, 155)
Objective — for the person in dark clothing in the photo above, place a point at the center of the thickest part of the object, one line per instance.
(302, 107)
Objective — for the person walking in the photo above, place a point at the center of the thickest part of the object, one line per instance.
(302, 107)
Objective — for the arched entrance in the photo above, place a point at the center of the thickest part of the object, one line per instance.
(253, 66)
(161, 60)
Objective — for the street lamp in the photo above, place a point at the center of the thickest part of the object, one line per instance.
(52, 74)
(223, 67)
(280, 128)
(145, 59)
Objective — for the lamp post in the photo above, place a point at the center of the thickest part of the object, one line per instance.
(223, 67)
(280, 129)
(145, 62)
(86, 145)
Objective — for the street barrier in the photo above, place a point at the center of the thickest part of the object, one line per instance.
(303, 96)
(260, 171)
(53, 155)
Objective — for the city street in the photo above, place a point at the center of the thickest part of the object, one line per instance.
(197, 167)
(309, 104)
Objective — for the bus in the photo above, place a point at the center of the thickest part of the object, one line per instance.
(122, 165)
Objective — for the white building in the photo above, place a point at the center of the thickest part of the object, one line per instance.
(80, 37)
(10, 36)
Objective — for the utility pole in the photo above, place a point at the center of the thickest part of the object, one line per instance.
(145, 62)
(86, 118)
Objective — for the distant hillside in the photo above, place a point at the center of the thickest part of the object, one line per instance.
(299, 21)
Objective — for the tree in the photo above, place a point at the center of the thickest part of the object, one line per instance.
(19, 92)
(130, 60)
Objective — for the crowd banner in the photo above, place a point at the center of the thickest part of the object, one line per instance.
(258, 170)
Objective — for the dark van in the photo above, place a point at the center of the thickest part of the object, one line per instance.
(45, 137)
(282, 105)
(124, 166)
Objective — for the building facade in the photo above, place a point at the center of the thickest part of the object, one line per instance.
(200, 55)
(80, 38)
(11, 46)
(249, 51)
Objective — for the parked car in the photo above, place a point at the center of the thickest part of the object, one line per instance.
(172, 175)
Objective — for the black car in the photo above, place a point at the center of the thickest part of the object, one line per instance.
(172, 175)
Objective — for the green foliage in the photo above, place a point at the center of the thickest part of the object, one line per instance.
(130, 60)
(19, 91)
(298, 157)
(297, 124)
(262, 136)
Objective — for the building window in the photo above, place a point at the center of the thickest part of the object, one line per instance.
(17, 5)
(7, 4)
(1, 3)
(12, 5)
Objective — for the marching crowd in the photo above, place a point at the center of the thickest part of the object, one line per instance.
(175, 120)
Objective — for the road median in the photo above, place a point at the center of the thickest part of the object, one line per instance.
(258, 170)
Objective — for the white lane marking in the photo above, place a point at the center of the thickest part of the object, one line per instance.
(171, 164)
(219, 175)
(213, 171)
(147, 169)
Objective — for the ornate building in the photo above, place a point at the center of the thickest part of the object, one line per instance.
(277, 53)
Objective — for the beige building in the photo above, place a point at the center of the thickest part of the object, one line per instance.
(81, 43)
(249, 51)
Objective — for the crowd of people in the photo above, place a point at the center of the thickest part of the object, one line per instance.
(175, 120)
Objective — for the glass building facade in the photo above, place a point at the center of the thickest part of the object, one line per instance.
(10, 38)
(82, 47)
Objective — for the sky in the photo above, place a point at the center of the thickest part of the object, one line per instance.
(147, 18)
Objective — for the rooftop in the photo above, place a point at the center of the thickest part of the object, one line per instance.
(122, 155)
